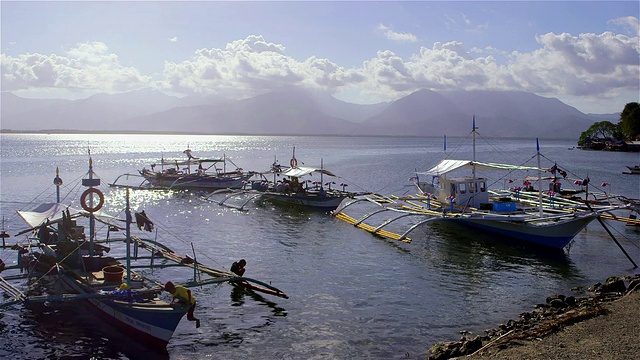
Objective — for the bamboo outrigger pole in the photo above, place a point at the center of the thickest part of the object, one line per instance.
(613, 237)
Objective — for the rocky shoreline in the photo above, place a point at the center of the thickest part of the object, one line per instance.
(522, 338)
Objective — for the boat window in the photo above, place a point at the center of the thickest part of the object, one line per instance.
(483, 186)
(471, 188)
(463, 188)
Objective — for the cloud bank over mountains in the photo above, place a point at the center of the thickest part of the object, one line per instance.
(589, 67)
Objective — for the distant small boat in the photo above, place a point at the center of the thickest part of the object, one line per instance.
(178, 175)
(633, 170)
(292, 186)
(295, 191)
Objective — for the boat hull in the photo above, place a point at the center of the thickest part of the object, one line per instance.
(197, 182)
(328, 202)
(551, 234)
(152, 321)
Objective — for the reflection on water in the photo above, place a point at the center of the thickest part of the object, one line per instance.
(488, 253)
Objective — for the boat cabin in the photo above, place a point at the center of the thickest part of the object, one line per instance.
(465, 191)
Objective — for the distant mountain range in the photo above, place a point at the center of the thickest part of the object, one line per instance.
(423, 113)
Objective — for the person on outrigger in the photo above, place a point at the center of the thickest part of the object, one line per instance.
(238, 267)
(182, 295)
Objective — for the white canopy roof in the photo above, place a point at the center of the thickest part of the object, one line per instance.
(449, 165)
(194, 161)
(302, 171)
(51, 211)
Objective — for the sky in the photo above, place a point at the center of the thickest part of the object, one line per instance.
(585, 53)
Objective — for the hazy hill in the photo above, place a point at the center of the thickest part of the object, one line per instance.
(423, 113)
(274, 113)
(98, 112)
(498, 113)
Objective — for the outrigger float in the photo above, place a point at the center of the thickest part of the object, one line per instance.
(75, 265)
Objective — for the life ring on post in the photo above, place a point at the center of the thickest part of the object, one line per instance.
(293, 162)
(85, 205)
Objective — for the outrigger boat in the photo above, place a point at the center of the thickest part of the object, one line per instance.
(466, 201)
(58, 251)
(193, 173)
(633, 170)
(288, 186)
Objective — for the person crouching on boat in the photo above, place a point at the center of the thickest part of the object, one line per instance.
(183, 296)
(238, 267)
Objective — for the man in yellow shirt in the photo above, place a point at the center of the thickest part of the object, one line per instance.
(182, 295)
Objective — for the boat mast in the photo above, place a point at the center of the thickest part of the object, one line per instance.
(91, 182)
(128, 238)
(445, 146)
(273, 168)
(539, 177)
(321, 172)
(473, 172)
(57, 181)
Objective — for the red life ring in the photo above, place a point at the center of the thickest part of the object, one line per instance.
(293, 162)
(85, 205)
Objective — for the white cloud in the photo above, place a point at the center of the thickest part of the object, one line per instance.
(173, 39)
(588, 64)
(630, 23)
(466, 24)
(396, 36)
(252, 66)
(88, 66)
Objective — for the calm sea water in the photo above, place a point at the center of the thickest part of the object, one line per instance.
(352, 295)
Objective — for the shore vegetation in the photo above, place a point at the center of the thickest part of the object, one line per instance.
(623, 136)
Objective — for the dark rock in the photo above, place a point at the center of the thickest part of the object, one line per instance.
(554, 297)
(634, 285)
(570, 300)
(471, 346)
(443, 351)
(596, 287)
(614, 284)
